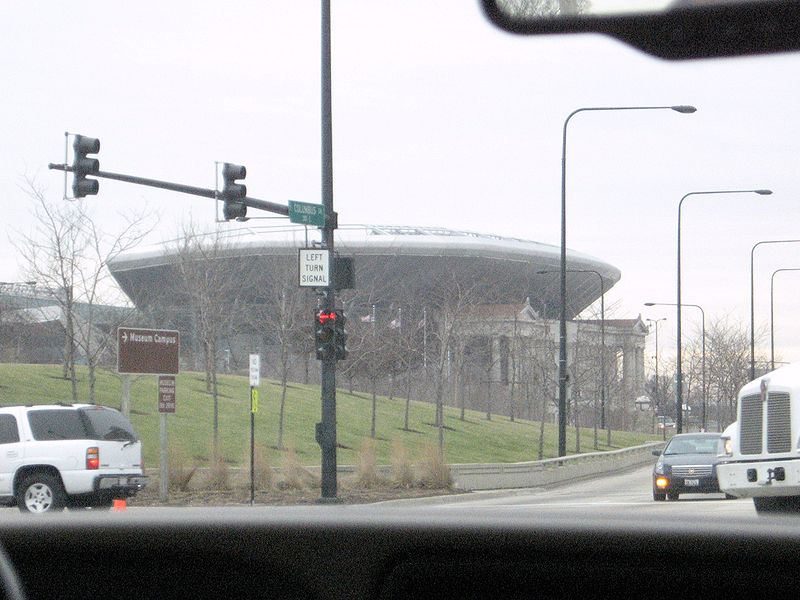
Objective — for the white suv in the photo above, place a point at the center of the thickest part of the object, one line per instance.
(74, 456)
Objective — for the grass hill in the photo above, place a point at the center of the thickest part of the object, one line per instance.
(473, 440)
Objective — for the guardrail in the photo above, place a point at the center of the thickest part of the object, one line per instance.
(486, 476)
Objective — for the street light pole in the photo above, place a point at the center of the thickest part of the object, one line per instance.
(678, 373)
(658, 392)
(752, 298)
(772, 315)
(703, 360)
(562, 332)
(602, 347)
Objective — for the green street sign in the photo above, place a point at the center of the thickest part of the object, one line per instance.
(306, 213)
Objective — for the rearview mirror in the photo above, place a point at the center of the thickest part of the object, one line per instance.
(673, 29)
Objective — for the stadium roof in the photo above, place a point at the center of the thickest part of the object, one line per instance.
(393, 255)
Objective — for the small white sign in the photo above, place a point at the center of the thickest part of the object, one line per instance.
(255, 370)
(314, 268)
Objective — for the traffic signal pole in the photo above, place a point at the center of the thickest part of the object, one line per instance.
(234, 197)
(327, 428)
(272, 207)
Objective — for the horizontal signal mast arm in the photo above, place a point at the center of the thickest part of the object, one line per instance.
(265, 205)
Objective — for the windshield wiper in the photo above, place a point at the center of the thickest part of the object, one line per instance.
(118, 434)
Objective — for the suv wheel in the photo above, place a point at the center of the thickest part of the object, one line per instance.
(40, 493)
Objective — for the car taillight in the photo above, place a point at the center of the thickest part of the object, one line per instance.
(93, 458)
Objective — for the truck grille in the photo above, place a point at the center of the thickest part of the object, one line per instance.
(779, 424)
(691, 471)
(750, 424)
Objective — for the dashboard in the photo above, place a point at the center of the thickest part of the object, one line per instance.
(333, 552)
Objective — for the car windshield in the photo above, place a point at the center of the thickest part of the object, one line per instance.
(692, 445)
(290, 295)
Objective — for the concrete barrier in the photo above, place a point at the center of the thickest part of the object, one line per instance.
(487, 476)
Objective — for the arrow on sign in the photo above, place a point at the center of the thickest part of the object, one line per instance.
(125, 337)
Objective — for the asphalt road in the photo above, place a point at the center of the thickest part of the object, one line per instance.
(620, 496)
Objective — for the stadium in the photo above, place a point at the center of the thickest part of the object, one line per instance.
(394, 259)
(405, 278)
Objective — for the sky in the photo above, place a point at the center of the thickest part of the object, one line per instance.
(439, 119)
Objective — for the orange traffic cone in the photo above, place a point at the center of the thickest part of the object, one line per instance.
(120, 505)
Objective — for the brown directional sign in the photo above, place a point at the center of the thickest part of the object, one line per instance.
(152, 351)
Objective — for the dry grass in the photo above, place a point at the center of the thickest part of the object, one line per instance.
(402, 469)
(263, 468)
(295, 475)
(367, 467)
(181, 471)
(434, 472)
(219, 474)
(262, 472)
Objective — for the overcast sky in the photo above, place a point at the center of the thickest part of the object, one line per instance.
(439, 120)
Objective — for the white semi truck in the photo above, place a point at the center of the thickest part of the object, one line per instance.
(760, 453)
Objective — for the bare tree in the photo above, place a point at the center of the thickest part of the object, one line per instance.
(450, 302)
(545, 368)
(283, 311)
(101, 248)
(51, 254)
(67, 254)
(727, 364)
(210, 280)
(368, 358)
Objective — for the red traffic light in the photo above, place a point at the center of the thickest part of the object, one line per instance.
(323, 317)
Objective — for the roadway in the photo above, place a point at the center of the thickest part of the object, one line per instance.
(621, 496)
(627, 494)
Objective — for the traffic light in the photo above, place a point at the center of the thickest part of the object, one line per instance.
(82, 165)
(325, 334)
(233, 194)
(340, 337)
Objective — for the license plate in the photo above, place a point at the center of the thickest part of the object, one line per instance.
(691, 482)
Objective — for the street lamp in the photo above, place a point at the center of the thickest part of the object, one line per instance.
(678, 374)
(772, 315)
(703, 360)
(658, 392)
(602, 348)
(562, 351)
(752, 310)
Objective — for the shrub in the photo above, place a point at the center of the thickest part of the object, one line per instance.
(434, 472)
(263, 468)
(295, 475)
(367, 473)
(402, 469)
(219, 474)
(180, 471)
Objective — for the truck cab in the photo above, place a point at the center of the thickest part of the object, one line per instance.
(759, 454)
